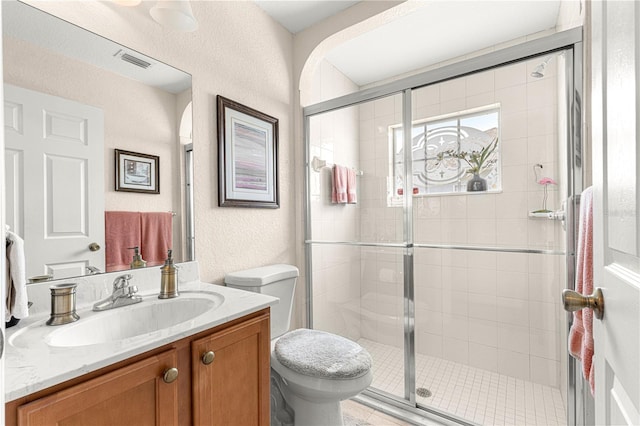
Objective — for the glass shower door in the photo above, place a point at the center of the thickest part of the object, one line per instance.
(489, 264)
(357, 247)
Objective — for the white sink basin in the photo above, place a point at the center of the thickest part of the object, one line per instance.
(148, 318)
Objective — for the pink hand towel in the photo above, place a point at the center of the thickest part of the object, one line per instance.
(121, 231)
(581, 332)
(339, 185)
(352, 197)
(156, 238)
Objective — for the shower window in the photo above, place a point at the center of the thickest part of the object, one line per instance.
(438, 143)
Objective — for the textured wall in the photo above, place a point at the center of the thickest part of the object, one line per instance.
(238, 52)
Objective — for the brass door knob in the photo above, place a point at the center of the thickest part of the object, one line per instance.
(94, 247)
(170, 375)
(208, 357)
(574, 301)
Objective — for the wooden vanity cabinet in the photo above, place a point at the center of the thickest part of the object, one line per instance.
(131, 395)
(231, 372)
(232, 389)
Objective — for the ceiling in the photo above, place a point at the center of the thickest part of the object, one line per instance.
(436, 31)
(297, 15)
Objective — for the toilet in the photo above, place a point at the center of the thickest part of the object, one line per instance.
(311, 370)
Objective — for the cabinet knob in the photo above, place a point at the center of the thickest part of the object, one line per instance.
(207, 357)
(170, 375)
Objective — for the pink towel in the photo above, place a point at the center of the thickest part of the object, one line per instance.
(581, 332)
(352, 198)
(339, 185)
(157, 231)
(121, 231)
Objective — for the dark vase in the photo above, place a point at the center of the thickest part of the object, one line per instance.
(477, 184)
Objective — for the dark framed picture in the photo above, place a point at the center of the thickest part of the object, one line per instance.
(247, 157)
(136, 172)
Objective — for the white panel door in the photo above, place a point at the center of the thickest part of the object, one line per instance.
(616, 67)
(3, 275)
(54, 171)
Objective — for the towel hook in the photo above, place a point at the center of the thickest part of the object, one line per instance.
(317, 164)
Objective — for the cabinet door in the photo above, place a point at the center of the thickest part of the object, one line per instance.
(233, 389)
(133, 395)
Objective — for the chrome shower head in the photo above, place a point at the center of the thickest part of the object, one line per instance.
(538, 72)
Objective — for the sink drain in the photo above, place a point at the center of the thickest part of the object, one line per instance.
(423, 392)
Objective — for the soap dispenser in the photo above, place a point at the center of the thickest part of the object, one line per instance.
(169, 278)
(137, 261)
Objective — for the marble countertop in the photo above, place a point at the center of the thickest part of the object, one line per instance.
(35, 365)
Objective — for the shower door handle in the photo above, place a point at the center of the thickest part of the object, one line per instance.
(561, 215)
(574, 301)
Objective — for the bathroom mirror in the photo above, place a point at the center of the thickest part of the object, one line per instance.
(132, 102)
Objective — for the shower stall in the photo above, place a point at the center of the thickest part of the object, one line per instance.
(454, 291)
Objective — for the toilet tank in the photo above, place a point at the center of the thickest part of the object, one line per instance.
(274, 280)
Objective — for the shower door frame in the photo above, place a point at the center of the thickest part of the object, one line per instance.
(569, 41)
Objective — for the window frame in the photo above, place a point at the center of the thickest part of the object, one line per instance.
(421, 186)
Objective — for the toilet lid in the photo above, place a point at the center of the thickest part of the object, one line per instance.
(319, 354)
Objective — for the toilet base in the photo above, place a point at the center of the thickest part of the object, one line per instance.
(281, 412)
(306, 413)
(299, 410)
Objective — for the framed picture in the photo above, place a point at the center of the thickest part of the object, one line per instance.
(137, 172)
(247, 157)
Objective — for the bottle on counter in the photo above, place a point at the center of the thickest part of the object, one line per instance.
(137, 261)
(168, 278)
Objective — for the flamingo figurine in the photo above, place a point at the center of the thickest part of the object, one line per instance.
(545, 181)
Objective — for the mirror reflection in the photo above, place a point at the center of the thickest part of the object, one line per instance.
(82, 112)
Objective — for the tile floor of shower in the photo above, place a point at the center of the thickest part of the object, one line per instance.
(476, 395)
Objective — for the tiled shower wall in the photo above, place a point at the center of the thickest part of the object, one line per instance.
(497, 311)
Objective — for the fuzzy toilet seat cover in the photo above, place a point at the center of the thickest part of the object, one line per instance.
(319, 354)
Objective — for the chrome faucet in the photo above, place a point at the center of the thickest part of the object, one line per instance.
(123, 294)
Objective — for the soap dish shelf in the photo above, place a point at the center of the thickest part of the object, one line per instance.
(557, 215)
(542, 215)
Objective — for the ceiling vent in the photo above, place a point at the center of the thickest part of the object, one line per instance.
(132, 59)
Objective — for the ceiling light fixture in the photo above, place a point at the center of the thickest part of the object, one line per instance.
(174, 14)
